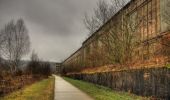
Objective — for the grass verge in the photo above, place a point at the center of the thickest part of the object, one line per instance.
(102, 93)
(43, 90)
(168, 66)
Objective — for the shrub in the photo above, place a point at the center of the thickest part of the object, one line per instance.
(38, 67)
(168, 66)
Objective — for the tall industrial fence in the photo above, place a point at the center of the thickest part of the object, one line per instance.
(145, 82)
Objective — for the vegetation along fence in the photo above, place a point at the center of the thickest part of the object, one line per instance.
(146, 82)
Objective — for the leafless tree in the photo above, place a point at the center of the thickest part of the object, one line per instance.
(121, 40)
(91, 23)
(37, 66)
(45, 68)
(34, 64)
(34, 57)
(102, 14)
(16, 42)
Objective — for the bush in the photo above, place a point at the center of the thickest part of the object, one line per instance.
(168, 66)
(45, 69)
(19, 73)
(39, 68)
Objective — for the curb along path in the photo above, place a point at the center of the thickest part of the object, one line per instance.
(66, 91)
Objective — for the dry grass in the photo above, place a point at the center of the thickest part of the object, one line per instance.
(43, 90)
(10, 83)
(152, 63)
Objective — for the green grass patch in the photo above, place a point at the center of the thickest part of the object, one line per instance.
(102, 93)
(168, 66)
(43, 90)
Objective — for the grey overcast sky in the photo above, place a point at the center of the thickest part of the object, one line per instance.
(55, 26)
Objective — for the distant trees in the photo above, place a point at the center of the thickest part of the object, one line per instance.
(46, 68)
(14, 42)
(38, 67)
(34, 63)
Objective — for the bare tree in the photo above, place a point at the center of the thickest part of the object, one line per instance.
(102, 14)
(121, 41)
(33, 66)
(16, 42)
(91, 23)
(37, 66)
(45, 68)
(34, 57)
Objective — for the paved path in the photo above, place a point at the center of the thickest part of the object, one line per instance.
(66, 91)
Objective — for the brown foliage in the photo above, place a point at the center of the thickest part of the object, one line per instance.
(8, 83)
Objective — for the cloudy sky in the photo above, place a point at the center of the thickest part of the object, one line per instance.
(55, 26)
